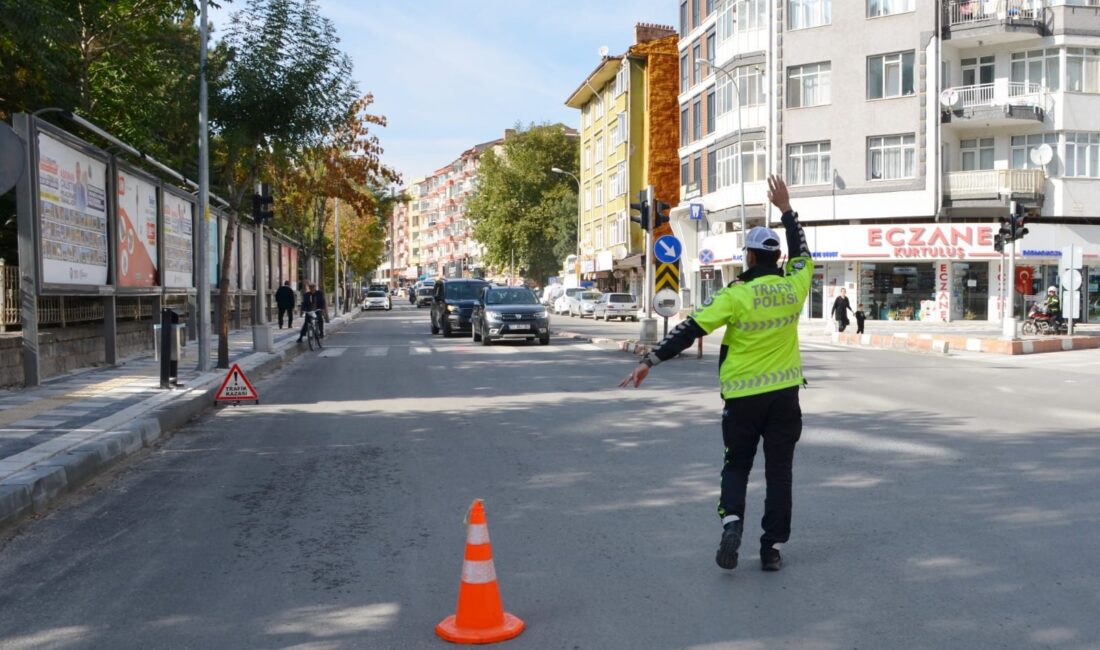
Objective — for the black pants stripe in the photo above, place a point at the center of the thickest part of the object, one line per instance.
(775, 417)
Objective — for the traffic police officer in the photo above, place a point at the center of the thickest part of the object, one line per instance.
(760, 370)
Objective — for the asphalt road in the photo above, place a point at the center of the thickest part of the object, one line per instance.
(940, 503)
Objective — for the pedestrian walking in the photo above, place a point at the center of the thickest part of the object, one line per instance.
(284, 300)
(841, 307)
(860, 319)
(760, 372)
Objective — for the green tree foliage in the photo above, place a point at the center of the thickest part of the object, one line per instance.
(521, 207)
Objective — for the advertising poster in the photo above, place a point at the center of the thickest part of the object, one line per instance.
(179, 242)
(72, 212)
(293, 266)
(212, 245)
(137, 231)
(284, 263)
(248, 260)
(270, 265)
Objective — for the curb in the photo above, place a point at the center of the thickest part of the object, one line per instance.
(34, 489)
(942, 344)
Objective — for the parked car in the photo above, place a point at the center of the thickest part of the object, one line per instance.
(513, 312)
(561, 303)
(378, 287)
(583, 303)
(424, 297)
(453, 303)
(616, 305)
(377, 300)
(550, 293)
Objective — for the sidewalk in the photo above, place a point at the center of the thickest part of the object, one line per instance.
(58, 435)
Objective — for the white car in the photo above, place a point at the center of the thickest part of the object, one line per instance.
(561, 303)
(616, 305)
(584, 303)
(377, 300)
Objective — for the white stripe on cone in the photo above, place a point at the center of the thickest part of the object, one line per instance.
(478, 572)
(477, 534)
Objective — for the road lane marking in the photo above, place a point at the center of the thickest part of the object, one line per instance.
(380, 351)
(420, 350)
(332, 352)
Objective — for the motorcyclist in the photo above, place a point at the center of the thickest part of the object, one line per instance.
(1053, 307)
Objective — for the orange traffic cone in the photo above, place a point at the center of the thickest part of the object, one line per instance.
(480, 617)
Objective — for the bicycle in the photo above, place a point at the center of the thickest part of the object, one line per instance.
(313, 336)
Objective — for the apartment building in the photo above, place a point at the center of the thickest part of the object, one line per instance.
(629, 122)
(413, 262)
(906, 129)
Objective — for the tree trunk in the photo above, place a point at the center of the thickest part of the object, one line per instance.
(223, 290)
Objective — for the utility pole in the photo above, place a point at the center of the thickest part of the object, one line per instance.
(204, 202)
(336, 266)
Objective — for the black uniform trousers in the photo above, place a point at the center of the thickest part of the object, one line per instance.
(775, 417)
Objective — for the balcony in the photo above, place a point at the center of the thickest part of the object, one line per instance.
(1001, 103)
(993, 187)
(993, 22)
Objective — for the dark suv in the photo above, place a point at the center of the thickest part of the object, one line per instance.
(453, 302)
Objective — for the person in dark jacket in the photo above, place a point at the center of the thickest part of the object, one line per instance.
(309, 304)
(284, 300)
(319, 303)
(841, 307)
(861, 317)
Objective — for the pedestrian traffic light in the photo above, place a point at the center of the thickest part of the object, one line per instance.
(999, 243)
(660, 214)
(642, 208)
(1006, 229)
(1018, 219)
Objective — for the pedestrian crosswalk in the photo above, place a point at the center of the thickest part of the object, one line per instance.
(420, 348)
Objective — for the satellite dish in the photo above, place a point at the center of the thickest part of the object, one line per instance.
(1042, 154)
(949, 98)
(604, 51)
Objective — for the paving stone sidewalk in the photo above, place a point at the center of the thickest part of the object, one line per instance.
(54, 436)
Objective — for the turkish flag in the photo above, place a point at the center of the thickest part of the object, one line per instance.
(1024, 274)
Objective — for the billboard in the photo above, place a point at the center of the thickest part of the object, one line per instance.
(294, 266)
(212, 246)
(248, 260)
(179, 242)
(136, 229)
(72, 214)
(284, 263)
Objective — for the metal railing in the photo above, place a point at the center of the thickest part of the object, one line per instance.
(987, 182)
(962, 12)
(999, 93)
(9, 295)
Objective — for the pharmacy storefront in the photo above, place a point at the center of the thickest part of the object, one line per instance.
(932, 272)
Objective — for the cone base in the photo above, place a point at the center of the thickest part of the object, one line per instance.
(510, 629)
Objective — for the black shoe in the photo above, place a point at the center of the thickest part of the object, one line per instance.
(727, 548)
(770, 559)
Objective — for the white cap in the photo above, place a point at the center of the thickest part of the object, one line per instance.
(762, 239)
(1052, 288)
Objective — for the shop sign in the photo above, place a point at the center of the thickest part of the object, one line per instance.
(588, 266)
(931, 242)
(943, 291)
(604, 261)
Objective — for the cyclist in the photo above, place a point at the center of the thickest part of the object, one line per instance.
(309, 309)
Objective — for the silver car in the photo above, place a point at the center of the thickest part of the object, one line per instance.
(616, 305)
(584, 303)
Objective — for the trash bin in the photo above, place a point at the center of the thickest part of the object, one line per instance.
(179, 349)
(171, 348)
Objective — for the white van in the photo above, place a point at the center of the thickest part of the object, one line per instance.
(550, 293)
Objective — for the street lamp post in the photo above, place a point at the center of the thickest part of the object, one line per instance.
(740, 142)
(559, 170)
(204, 203)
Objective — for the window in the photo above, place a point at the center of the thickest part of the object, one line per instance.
(710, 112)
(1041, 68)
(1083, 154)
(588, 157)
(809, 13)
(620, 231)
(709, 7)
(619, 133)
(697, 119)
(696, 67)
(694, 13)
(749, 81)
(599, 153)
(588, 198)
(622, 79)
(730, 161)
(684, 172)
(697, 171)
(1082, 71)
(711, 51)
(890, 75)
(712, 170)
(977, 71)
(599, 192)
(891, 157)
(809, 163)
(726, 22)
(618, 180)
(683, 18)
(684, 124)
(739, 16)
(809, 85)
(976, 154)
(877, 8)
(683, 72)
(599, 236)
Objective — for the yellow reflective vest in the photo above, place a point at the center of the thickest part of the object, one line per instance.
(761, 319)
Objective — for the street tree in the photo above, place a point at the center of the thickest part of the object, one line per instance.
(286, 85)
(520, 207)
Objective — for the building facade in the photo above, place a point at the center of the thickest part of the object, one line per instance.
(943, 115)
(629, 122)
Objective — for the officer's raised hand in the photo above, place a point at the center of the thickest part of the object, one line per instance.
(777, 193)
(636, 376)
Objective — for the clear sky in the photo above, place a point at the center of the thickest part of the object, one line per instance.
(449, 74)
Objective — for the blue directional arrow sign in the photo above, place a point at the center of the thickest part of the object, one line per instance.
(667, 249)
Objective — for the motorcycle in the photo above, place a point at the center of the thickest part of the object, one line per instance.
(1039, 321)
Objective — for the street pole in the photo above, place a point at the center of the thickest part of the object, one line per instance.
(393, 235)
(577, 263)
(336, 266)
(1009, 329)
(204, 202)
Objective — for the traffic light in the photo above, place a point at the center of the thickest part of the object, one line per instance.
(999, 243)
(1018, 221)
(1006, 229)
(642, 208)
(263, 205)
(660, 213)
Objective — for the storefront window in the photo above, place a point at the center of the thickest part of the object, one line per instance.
(896, 290)
(970, 291)
(1093, 286)
(817, 293)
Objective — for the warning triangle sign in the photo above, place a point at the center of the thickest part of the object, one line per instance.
(236, 387)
